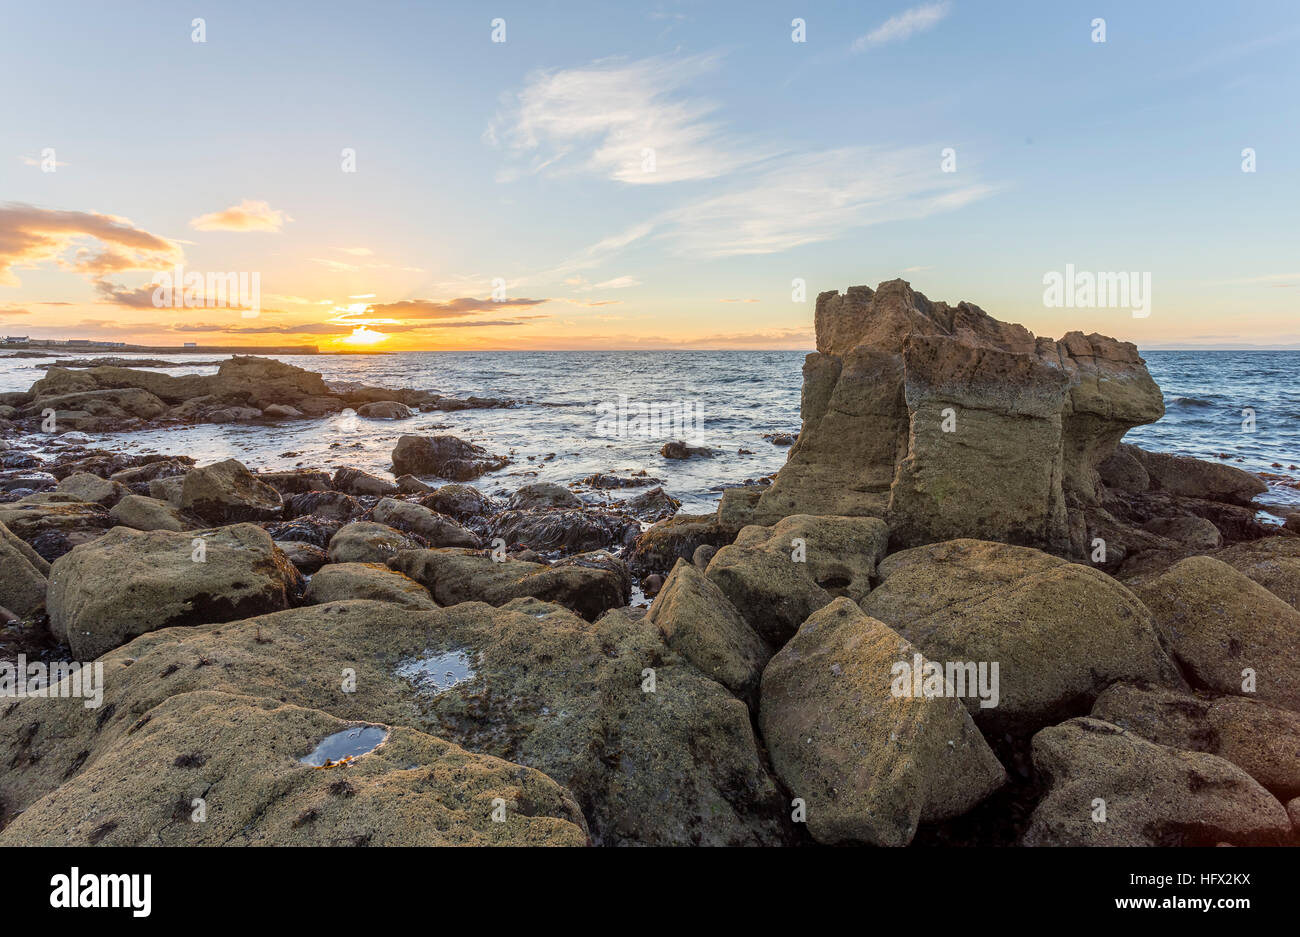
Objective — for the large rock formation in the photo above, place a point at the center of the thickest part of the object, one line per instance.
(950, 423)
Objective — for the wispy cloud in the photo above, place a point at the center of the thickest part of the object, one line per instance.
(445, 309)
(628, 121)
(246, 216)
(816, 197)
(904, 25)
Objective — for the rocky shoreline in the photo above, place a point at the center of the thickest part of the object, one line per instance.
(583, 664)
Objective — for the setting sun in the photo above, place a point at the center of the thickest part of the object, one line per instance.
(363, 336)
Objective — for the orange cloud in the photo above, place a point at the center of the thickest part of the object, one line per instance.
(30, 236)
(246, 216)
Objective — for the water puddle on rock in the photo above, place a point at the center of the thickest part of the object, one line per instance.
(437, 673)
(345, 745)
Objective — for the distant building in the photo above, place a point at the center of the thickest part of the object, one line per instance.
(191, 345)
(15, 339)
(80, 341)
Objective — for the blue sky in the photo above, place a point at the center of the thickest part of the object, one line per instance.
(523, 161)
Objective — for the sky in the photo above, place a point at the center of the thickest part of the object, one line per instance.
(644, 175)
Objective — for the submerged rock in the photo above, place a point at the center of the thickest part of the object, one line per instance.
(444, 456)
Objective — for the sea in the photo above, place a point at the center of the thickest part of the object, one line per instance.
(580, 413)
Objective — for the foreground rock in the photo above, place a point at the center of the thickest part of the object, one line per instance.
(531, 683)
(568, 531)
(443, 456)
(130, 582)
(453, 576)
(242, 756)
(698, 622)
(778, 576)
(55, 527)
(1059, 632)
(22, 577)
(870, 764)
(1229, 633)
(1153, 795)
(1262, 740)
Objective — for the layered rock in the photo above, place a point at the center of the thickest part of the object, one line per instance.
(951, 423)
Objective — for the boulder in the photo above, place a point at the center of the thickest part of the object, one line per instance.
(385, 410)
(227, 492)
(365, 581)
(367, 542)
(659, 548)
(453, 576)
(1197, 478)
(305, 557)
(459, 501)
(336, 505)
(53, 528)
(141, 513)
(410, 485)
(1230, 634)
(1273, 562)
(697, 621)
(565, 530)
(165, 468)
(543, 495)
(869, 762)
(296, 481)
(1152, 795)
(778, 576)
(170, 489)
(438, 529)
(356, 482)
(243, 756)
(1191, 533)
(311, 529)
(22, 577)
(92, 489)
(233, 415)
(1262, 740)
(1059, 632)
(954, 424)
(653, 505)
(130, 582)
(282, 411)
(444, 456)
(680, 450)
(1123, 469)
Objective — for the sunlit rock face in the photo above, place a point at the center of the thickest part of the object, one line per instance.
(950, 423)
